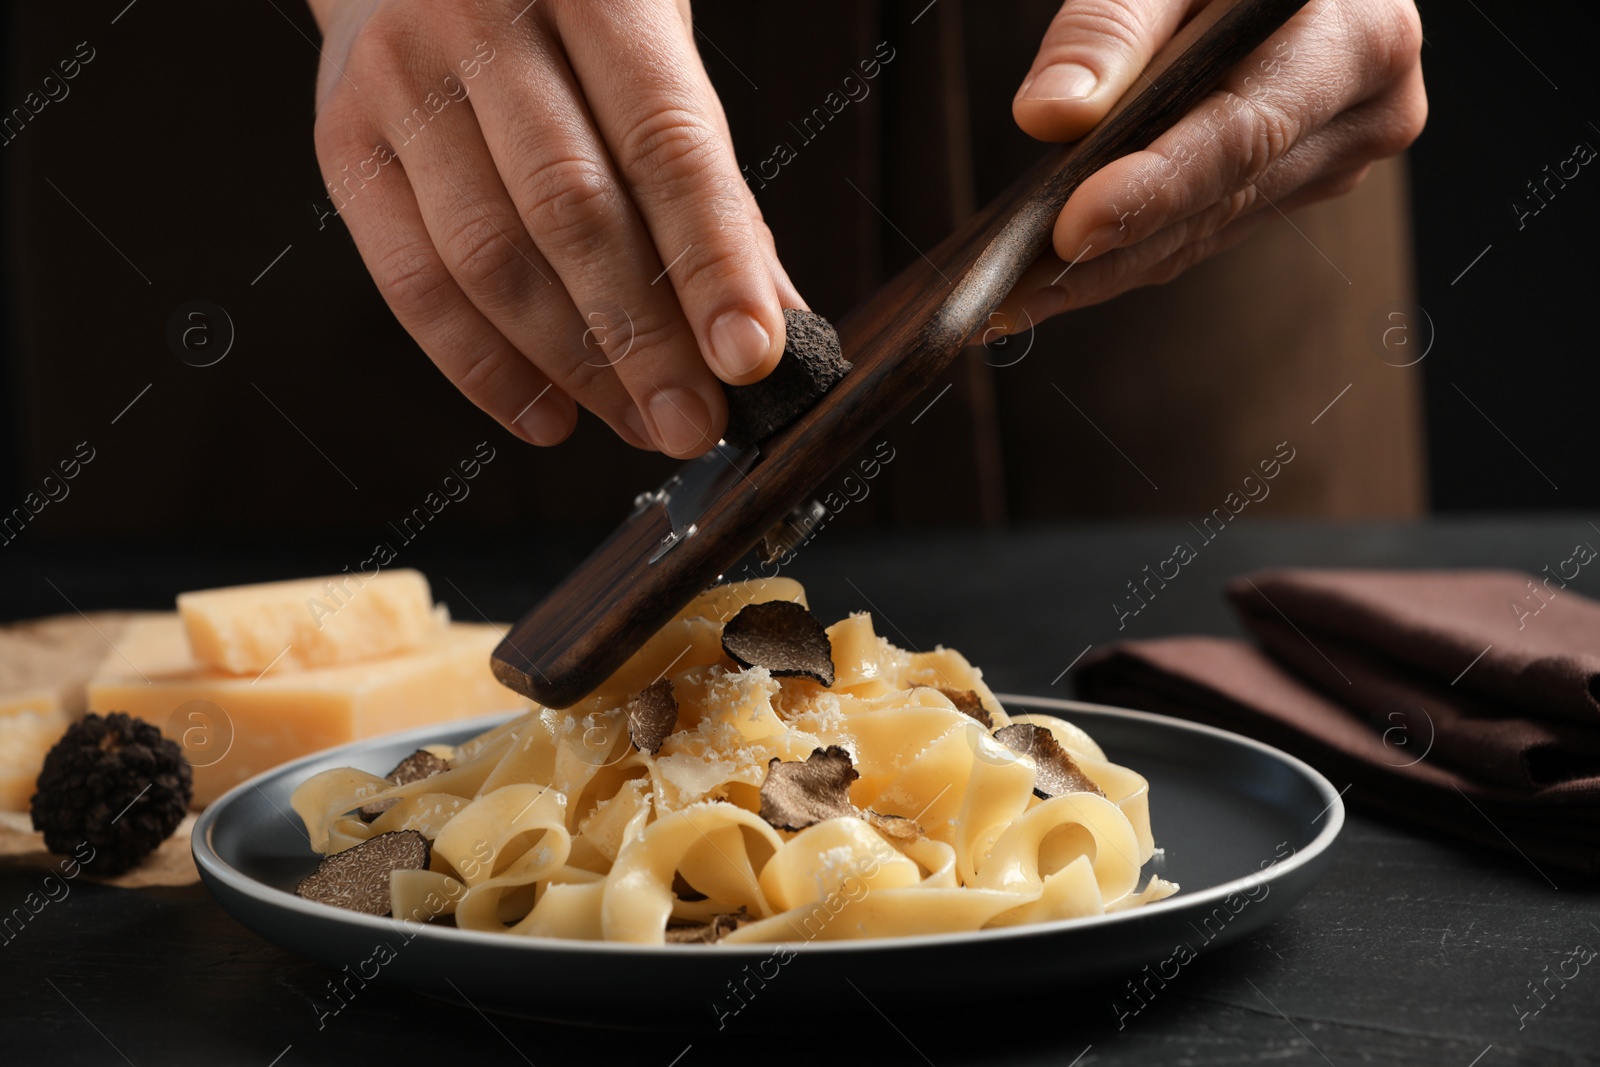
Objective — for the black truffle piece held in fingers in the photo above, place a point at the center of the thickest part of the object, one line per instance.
(810, 364)
(115, 783)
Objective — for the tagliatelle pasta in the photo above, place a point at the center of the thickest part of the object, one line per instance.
(556, 825)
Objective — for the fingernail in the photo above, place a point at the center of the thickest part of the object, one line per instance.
(1051, 300)
(543, 424)
(681, 419)
(1063, 81)
(739, 344)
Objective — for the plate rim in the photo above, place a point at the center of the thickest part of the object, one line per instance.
(212, 866)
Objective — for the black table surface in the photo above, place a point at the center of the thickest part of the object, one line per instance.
(1412, 949)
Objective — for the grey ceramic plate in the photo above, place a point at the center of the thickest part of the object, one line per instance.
(1245, 830)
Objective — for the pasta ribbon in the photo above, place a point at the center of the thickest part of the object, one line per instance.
(553, 824)
(639, 895)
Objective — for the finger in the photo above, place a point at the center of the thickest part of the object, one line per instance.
(1164, 255)
(1092, 52)
(481, 240)
(788, 295)
(1050, 286)
(655, 106)
(1286, 90)
(1317, 167)
(570, 199)
(1154, 261)
(380, 209)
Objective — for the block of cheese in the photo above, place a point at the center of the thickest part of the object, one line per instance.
(30, 724)
(234, 727)
(44, 665)
(311, 622)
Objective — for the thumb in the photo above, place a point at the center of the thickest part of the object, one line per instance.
(1092, 52)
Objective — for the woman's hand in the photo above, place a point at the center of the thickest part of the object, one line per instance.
(546, 195)
(1300, 120)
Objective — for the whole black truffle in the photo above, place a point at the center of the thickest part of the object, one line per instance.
(810, 365)
(115, 783)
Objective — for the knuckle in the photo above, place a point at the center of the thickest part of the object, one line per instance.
(412, 281)
(582, 378)
(717, 270)
(1269, 135)
(483, 377)
(1150, 188)
(1390, 127)
(1401, 37)
(650, 352)
(1410, 115)
(569, 201)
(1386, 42)
(588, 357)
(482, 255)
(1079, 25)
(653, 338)
(669, 148)
(1233, 206)
(388, 43)
(334, 133)
(607, 337)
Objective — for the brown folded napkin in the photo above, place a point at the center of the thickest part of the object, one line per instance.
(1512, 638)
(1425, 691)
(1437, 661)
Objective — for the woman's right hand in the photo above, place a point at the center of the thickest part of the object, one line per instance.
(546, 195)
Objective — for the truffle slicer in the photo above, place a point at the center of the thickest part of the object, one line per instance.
(683, 536)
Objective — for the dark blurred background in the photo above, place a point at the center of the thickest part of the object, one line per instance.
(179, 168)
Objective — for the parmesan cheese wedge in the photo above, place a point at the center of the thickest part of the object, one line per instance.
(233, 727)
(311, 622)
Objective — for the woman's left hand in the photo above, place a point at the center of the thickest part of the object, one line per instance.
(1302, 119)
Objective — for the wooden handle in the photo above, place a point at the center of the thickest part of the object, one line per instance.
(900, 340)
